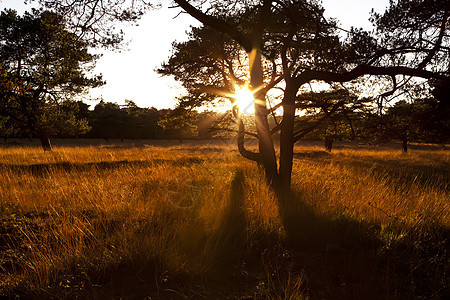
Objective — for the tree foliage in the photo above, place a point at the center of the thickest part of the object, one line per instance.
(421, 119)
(96, 21)
(300, 46)
(45, 65)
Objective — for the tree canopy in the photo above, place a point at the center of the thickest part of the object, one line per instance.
(46, 66)
(291, 44)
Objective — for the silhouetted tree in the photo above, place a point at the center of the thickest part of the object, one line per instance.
(107, 121)
(46, 64)
(141, 123)
(425, 119)
(434, 115)
(204, 122)
(305, 47)
(178, 123)
(293, 39)
(128, 121)
(331, 114)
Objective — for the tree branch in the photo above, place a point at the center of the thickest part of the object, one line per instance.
(217, 24)
(242, 150)
(301, 133)
(308, 75)
(213, 129)
(437, 44)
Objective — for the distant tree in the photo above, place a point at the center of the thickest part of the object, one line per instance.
(6, 89)
(329, 115)
(46, 64)
(107, 121)
(141, 123)
(400, 123)
(204, 122)
(178, 123)
(425, 119)
(82, 111)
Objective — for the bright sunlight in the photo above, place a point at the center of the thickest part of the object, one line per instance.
(244, 99)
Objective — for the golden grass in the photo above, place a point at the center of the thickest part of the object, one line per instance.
(376, 186)
(185, 221)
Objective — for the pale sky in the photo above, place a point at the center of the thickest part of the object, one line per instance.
(130, 74)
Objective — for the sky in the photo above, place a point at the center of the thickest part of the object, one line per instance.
(130, 74)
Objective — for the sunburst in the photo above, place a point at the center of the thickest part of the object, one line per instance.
(244, 99)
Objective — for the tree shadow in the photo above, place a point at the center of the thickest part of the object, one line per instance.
(391, 169)
(346, 258)
(424, 175)
(214, 260)
(312, 154)
(229, 239)
(46, 168)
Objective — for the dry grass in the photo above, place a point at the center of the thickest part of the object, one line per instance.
(200, 222)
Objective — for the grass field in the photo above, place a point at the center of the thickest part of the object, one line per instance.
(199, 222)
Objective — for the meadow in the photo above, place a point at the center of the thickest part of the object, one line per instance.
(198, 221)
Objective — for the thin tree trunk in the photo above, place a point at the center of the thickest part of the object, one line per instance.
(404, 145)
(328, 143)
(45, 141)
(266, 148)
(287, 139)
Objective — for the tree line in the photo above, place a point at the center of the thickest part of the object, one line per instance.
(108, 120)
(420, 120)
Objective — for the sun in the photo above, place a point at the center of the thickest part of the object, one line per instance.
(244, 99)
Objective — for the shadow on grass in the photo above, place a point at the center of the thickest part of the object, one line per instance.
(345, 258)
(391, 169)
(312, 154)
(340, 256)
(43, 169)
(425, 175)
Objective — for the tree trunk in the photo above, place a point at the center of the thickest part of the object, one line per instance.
(45, 141)
(404, 145)
(287, 139)
(266, 148)
(328, 142)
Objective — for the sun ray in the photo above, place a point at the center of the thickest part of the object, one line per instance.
(244, 99)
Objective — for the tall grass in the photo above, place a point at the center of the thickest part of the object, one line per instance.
(200, 222)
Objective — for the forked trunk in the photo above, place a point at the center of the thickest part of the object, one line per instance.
(45, 141)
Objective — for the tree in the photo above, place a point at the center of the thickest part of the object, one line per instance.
(141, 123)
(399, 123)
(46, 64)
(411, 41)
(316, 107)
(178, 123)
(424, 119)
(434, 119)
(108, 121)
